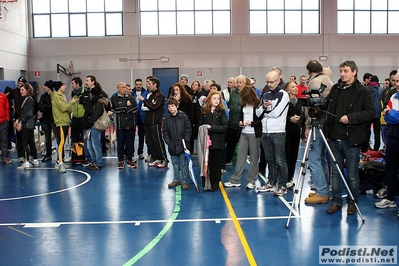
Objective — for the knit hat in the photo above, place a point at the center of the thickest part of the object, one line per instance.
(95, 91)
(49, 84)
(7, 89)
(22, 79)
(57, 85)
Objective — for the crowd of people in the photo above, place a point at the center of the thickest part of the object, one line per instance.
(266, 123)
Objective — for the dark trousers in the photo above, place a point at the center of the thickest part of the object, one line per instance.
(47, 127)
(291, 151)
(214, 166)
(391, 166)
(233, 135)
(124, 138)
(76, 129)
(377, 134)
(3, 139)
(61, 135)
(28, 143)
(194, 134)
(10, 133)
(141, 135)
(155, 142)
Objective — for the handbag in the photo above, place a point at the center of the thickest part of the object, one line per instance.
(103, 122)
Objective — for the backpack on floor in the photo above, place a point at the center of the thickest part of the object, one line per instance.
(78, 153)
(371, 176)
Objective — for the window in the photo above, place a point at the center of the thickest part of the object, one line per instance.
(284, 17)
(76, 18)
(181, 17)
(368, 16)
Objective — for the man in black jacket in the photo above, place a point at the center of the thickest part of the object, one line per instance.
(124, 107)
(351, 105)
(153, 106)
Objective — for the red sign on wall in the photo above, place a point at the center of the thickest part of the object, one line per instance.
(37, 74)
(199, 73)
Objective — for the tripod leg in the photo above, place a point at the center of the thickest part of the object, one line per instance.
(340, 174)
(301, 177)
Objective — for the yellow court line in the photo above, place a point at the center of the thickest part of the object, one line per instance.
(237, 225)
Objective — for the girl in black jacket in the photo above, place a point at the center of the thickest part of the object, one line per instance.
(214, 117)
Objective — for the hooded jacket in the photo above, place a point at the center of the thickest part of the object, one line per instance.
(99, 103)
(175, 129)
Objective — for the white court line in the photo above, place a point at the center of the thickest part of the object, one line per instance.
(138, 223)
(88, 177)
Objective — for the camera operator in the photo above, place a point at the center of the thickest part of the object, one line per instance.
(351, 106)
(318, 152)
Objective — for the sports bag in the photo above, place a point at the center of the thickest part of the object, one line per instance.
(103, 122)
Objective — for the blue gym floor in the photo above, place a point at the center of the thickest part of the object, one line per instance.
(129, 216)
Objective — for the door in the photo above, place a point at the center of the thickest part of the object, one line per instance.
(168, 77)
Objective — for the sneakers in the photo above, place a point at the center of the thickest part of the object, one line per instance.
(24, 166)
(185, 186)
(267, 188)
(385, 203)
(68, 159)
(223, 171)
(61, 168)
(229, 164)
(134, 160)
(7, 161)
(162, 164)
(229, 184)
(290, 184)
(94, 167)
(86, 163)
(334, 208)
(141, 157)
(121, 165)
(154, 163)
(45, 159)
(131, 164)
(174, 184)
(21, 159)
(280, 191)
(250, 186)
(382, 193)
(317, 199)
(35, 163)
(148, 159)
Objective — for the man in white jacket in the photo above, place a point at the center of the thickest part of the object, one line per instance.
(273, 109)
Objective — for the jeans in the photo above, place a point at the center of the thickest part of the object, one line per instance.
(86, 149)
(180, 165)
(318, 163)
(274, 148)
(4, 139)
(94, 147)
(343, 151)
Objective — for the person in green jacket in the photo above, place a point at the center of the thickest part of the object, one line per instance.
(61, 113)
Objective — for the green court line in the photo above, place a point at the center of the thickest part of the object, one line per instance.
(165, 229)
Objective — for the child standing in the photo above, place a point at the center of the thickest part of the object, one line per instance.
(176, 128)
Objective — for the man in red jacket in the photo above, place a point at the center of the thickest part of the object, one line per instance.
(4, 119)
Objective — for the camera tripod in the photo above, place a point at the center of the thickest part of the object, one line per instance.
(302, 172)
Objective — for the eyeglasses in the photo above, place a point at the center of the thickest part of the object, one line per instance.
(271, 82)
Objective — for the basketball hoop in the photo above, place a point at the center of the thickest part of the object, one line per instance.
(4, 9)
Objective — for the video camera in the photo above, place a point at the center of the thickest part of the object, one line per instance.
(316, 102)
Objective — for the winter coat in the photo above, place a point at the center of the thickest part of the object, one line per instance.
(235, 107)
(78, 109)
(218, 122)
(125, 116)
(46, 108)
(175, 129)
(98, 104)
(4, 108)
(359, 111)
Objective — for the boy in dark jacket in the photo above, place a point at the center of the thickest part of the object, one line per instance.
(176, 129)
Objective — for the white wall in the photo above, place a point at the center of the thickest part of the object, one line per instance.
(14, 40)
(218, 57)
